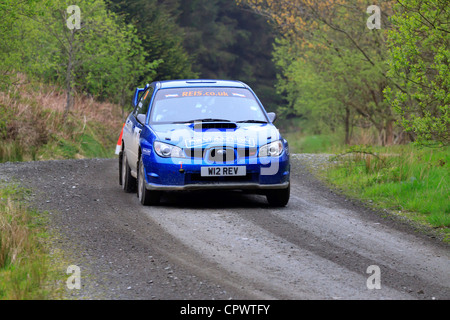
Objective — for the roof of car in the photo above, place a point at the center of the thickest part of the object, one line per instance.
(200, 83)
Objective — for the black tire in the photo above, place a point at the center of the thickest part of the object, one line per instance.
(120, 168)
(279, 197)
(128, 181)
(146, 197)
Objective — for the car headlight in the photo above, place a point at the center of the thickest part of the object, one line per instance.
(273, 149)
(168, 151)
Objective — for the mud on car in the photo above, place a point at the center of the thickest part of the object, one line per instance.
(202, 135)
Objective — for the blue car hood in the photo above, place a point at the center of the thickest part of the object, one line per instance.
(244, 135)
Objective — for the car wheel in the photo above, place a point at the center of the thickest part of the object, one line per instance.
(120, 167)
(279, 197)
(146, 197)
(128, 181)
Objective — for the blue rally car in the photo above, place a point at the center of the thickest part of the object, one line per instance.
(199, 135)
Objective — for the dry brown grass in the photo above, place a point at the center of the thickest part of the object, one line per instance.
(14, 234)
(23, 97)
(25, 269)
(365, 136)
(32, 114)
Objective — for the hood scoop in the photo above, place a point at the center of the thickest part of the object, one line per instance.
(214, 125)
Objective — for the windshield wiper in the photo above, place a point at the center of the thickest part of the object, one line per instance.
(251, 121)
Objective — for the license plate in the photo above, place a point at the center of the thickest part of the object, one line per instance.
(223, 171)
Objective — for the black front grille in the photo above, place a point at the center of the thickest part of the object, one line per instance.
(246, 152)
(197, 153)
(221, 155)
(211, 154)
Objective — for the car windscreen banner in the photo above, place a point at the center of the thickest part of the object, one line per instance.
(204, 92)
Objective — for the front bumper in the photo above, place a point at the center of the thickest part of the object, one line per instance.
(167, 175)
(218, 186)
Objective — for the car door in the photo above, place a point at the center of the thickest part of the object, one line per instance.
(137, 126)
(127, 135)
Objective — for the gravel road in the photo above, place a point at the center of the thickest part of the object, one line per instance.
(228, 245)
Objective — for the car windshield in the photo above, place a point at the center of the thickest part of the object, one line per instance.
(184, 105)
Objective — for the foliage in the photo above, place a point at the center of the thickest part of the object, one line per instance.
(161, 36)
(306, 92)
(332, 66)
(228, 42)
(124, 43)
(419, 55)
(102, 58)
(205, 39)
(13, 12)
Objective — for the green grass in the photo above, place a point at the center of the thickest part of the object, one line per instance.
(26, 271)
(87, 145)
(70, 142)
(11, 151)
(411, 181)
(300, 143)
(92, 146)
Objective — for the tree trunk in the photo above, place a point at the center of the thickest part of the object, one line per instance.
(122, 102)
(389, 132)
(69, 77)
(381, 135)
(69, 89)
(347, 125)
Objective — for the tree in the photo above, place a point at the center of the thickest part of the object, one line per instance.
(103, 57)
(332, 39)
(161, 36)
(419, 55)
(226, 41)
(205, 38)
(307, 93)
(12, 48)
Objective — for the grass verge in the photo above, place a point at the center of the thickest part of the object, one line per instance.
(407, 180)
(26, 269)
(412, 182)
(301, 143)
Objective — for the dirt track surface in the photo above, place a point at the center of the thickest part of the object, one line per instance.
(227, 245)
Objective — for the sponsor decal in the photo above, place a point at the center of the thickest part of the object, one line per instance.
(222, 140)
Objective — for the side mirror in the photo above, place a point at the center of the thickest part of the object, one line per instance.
(137, 94)
(141, 118)
(272, 116)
